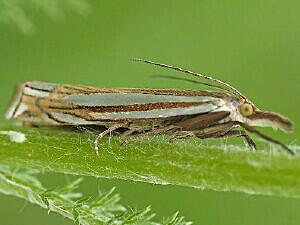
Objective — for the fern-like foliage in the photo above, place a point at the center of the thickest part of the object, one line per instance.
(104, 209)
(16, 11)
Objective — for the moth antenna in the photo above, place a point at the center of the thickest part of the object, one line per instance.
(234, 90)
(189, 80)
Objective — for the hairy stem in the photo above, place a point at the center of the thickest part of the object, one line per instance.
(155, 160)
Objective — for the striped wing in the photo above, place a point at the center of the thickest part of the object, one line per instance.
(54, 104)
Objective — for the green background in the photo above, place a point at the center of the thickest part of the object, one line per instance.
(253, 45)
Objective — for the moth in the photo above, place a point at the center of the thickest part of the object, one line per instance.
(220, 113)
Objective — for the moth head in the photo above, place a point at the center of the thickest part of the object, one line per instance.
(255, 117)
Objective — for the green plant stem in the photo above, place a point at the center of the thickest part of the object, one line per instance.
(155, 160)
(53, 201)
(103, 209)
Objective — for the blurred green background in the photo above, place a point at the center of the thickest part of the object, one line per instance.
(253, 45)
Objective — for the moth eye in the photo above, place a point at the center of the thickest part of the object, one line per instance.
(246, 109)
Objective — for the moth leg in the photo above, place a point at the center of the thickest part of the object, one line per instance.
(154, 131)
(225, 130)
(161, 130)
(102, 134)
(215, 130)
(128, 132)
(240, 133)
(182, 135)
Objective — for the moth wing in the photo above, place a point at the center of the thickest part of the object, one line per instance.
(43, 103)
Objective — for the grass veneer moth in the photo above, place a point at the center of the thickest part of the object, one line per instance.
(139, 112)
